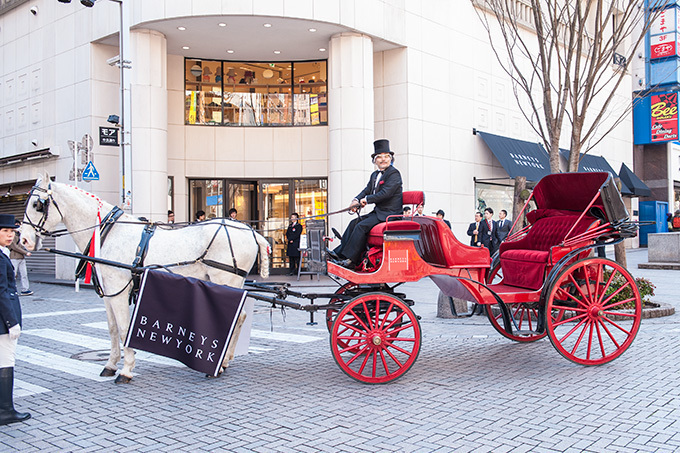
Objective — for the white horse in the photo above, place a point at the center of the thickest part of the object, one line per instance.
(222, 241)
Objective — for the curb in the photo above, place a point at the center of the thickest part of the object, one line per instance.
(664, 266)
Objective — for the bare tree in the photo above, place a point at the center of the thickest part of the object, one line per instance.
(567, 60)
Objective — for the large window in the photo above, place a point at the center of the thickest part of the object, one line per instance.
(264, 204)
(232, 93)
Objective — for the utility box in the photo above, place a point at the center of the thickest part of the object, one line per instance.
(654, 211)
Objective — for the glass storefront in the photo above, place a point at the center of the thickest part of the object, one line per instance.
(494, 196)
(232, 93)
(266, 205)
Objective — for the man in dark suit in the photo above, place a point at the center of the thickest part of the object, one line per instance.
(473, 231)
(384, 189)
(488, 231)
(504, 225)
(293, 234)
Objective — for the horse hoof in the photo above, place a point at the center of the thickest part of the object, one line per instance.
(107, 372)
(122, 379)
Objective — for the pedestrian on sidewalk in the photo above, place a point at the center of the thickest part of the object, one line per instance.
(10, 324)
(18, 254)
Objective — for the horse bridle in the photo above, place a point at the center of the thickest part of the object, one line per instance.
(42, 205)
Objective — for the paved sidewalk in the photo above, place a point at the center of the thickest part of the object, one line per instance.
(470, 390)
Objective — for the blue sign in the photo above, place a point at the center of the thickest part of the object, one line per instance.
(213, 200)
(90, 173)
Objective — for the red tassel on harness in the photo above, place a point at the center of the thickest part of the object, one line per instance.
(88, 269)
(94, 249)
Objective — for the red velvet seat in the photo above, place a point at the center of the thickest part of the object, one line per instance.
(524, 261)
(375, 236)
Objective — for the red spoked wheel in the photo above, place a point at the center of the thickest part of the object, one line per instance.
(375, 338)
(525, 314)
(332, 312)
(590, 294)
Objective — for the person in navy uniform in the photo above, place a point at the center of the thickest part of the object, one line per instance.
(293, 234)
(440, 215)
(384, 189)
(488, 232)
(10, 324)
(504, 224)
(473, 231)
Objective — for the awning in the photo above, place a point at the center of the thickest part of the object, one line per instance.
(518, 158)
(589, 163)
(635, 184)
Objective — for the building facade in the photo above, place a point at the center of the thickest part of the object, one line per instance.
(266, 106)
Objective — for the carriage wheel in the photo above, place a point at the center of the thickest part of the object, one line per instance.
(525, 314)
(591, 330)
(375, 338)
(332, 312)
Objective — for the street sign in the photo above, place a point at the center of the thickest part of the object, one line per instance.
(90, 173)
(108, 136)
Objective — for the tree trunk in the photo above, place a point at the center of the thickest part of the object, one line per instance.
(518, 203)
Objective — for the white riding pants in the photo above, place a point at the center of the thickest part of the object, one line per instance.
(7, 351)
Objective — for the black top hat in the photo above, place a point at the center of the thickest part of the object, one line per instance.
(8, 221)
(381, 146)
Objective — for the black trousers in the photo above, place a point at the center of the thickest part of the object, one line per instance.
(355, 237)
(293, 263)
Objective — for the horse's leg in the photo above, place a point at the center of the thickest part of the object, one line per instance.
(229, 356)
(121, 312)
(114, 355)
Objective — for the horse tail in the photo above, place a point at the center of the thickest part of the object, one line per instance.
(263, 244)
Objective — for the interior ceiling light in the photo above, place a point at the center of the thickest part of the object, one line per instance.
(185, 47)
(267, 25)
(230, 51)
(322, 49)
(277, 52)
(222, 24)
(181, 28)
(312, 30)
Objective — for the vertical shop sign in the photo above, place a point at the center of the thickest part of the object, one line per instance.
(663, 35)
(664, 112)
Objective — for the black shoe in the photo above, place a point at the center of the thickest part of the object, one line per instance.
(347, 264)
(332, 255)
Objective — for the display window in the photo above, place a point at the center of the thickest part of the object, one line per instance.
(232, 93)
(266, 205)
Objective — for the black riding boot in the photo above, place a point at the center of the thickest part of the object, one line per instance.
(7, 413)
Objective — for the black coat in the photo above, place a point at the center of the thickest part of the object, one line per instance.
(474, 241)
(387, 197)
(503, 228)
(489, 236)
(293, 234)
(10, 308)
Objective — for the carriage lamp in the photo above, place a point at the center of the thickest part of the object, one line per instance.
(113, 119)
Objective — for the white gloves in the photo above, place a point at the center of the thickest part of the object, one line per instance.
(14, 332)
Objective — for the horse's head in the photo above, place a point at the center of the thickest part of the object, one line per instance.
(42, 214)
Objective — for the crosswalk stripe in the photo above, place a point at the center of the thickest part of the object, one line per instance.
(67, 312)
(60, 363)
(262, 334)
(96, 344)
(23, 388)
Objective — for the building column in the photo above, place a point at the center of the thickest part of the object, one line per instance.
(149, 93)
(350, 120)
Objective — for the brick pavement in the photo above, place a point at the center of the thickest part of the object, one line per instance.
(470, 390)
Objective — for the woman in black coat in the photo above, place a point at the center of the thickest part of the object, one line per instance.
(10, 324)
(293, 234)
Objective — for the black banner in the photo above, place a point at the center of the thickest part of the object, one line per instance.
(186, 319)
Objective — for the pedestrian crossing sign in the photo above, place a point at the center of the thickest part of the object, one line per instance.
(90, 173)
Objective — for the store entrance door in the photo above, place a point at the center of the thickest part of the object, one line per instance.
(242, 196)
(275, 211)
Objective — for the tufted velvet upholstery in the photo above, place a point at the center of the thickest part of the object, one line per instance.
(375, 236)
(524, 261)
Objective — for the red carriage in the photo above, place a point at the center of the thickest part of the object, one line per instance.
(544, 281)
